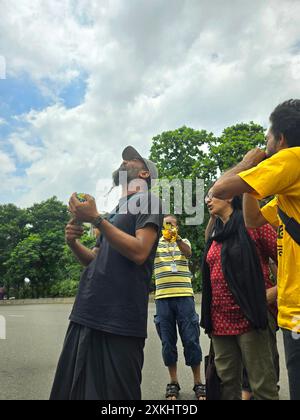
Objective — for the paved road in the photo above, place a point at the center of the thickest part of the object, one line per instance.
(35, 334)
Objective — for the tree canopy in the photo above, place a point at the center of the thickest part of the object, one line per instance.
(32, 243)
(186, 153)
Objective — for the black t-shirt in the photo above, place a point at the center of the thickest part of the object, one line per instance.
(114, 291)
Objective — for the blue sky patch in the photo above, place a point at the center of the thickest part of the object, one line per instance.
(19, 96)
(73, 94)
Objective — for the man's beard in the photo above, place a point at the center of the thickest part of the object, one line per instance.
(271, 151)
(126, 177)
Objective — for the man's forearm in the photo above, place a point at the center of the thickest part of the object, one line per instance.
(252, 213)
(129, 246)
(83, 254)
(230, 184)
(240, 167)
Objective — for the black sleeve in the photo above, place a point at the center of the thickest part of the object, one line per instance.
(150, 213)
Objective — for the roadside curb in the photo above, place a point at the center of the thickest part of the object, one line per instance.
(68, 301)
(45, 301)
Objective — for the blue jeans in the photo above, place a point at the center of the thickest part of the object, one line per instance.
(181, 312)
(292, 355)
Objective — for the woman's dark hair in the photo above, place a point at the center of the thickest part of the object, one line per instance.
(285, 120)
(237, 203)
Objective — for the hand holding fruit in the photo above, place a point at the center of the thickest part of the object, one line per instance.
(170, 233)
(83, 208)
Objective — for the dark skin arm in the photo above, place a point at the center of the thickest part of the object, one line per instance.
(230, 184)
(184, 248)
(136, 248)
(73, 233)
(272, 295)
(252, 213)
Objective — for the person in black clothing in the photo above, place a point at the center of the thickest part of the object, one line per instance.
(103, 353)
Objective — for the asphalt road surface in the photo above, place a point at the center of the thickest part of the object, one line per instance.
(34, 338)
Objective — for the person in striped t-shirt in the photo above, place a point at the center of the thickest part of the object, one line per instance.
(175, 306)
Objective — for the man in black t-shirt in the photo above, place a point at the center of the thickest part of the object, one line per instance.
(103, 353)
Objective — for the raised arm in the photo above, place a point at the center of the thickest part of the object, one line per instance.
(185, 248)
(230, 184)
(252, 213)
(136, 248)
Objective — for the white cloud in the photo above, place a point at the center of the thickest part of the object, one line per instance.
(25, 152)
(6, 164)
(150, 66)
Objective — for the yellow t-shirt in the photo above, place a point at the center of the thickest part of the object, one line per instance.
(169, 283)
(280, 176)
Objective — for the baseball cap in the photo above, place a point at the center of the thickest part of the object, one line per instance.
(130, 153)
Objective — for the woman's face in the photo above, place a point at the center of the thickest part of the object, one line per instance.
(215, 206)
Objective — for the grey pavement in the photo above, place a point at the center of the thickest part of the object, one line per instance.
(35, 334)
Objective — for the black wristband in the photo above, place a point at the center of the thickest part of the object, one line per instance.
(98, 222)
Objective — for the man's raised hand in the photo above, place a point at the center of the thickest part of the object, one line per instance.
(83, 212)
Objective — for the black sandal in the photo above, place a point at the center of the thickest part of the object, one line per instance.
(200, 391)
(172, 391)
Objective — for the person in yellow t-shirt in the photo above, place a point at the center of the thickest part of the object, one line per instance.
(276, 172)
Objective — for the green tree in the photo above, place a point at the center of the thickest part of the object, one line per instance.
(178, 152)
(25, 261)
(234, 143)
(187, 153)
(13, 228)
(70, 270)
(49, 216)
(38, 254)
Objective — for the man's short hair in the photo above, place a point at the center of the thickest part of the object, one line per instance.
(172, 217)
(285, 120)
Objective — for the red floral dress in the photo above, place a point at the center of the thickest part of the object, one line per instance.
(227, 317)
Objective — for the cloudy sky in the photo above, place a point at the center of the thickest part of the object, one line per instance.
(85, 78)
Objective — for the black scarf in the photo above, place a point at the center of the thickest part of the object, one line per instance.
(242, 270)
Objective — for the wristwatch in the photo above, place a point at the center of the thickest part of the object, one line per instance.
(97, 222)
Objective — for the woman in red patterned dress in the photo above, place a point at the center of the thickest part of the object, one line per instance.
(234, 307)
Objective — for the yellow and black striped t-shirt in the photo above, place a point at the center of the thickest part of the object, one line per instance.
(168, 283)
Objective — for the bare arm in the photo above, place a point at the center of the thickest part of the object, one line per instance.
(230, 184)
(185, 249)
(252, 213)
(73, 233)
(272, 295)
(83, 254)
(135, 248)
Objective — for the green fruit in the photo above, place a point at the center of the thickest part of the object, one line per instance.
(81, 197)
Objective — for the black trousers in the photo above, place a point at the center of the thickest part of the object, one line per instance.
(292, 355)
(98, 366)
